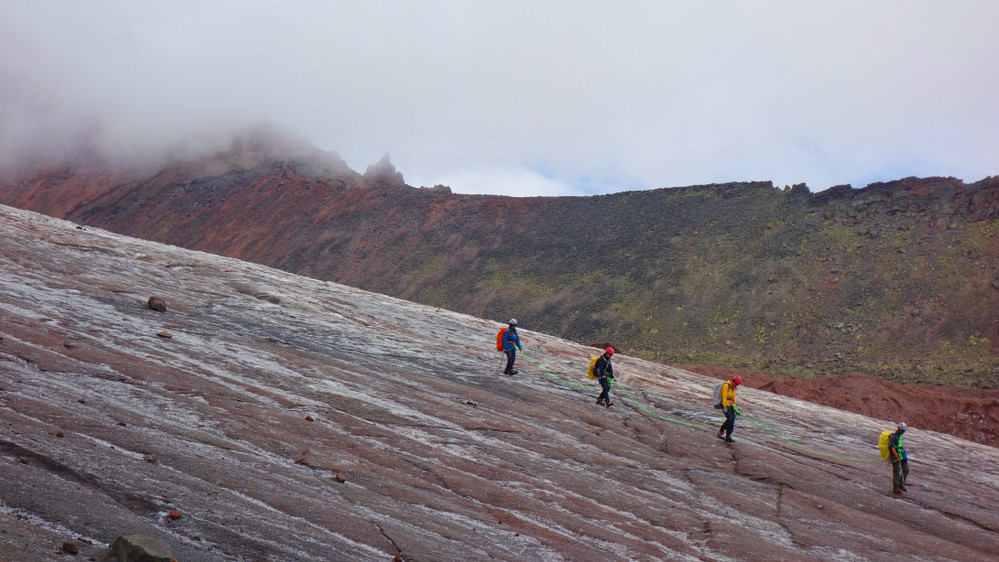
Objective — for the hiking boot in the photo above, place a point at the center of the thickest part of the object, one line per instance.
(904, 488)
(728, 439)
(896, 491)
(720, 435)
(600, 401)
(608, 403)
(513, 372)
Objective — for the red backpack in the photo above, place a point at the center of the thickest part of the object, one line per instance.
(499, 339)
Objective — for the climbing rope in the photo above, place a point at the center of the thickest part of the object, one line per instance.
(545, 371)
(810, 450)
(662, 417)
(655, 414)
(617, 386)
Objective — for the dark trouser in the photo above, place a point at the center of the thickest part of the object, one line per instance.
(729, 424)
(606, 385)
(511, 356)
(899, 473)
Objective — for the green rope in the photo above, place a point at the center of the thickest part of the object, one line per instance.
(698, 426)
(810, 450)
(545, 371)
(619, 387)
(662, 417)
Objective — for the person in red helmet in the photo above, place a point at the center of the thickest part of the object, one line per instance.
(605, 374)
(728, 406)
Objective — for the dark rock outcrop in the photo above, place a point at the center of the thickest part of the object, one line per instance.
(383, 172)
(140, 548)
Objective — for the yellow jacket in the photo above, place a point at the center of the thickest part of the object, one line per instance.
(728, 393)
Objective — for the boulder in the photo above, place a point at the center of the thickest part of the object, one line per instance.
(140, 548)
(157, 304)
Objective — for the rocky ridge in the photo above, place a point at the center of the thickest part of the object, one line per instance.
(290, 418)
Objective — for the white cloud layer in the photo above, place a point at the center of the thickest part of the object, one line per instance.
(524, 98)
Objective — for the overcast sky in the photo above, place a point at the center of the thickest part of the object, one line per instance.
(521, 98)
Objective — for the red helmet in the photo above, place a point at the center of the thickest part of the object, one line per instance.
(609, 351)
(737, 380)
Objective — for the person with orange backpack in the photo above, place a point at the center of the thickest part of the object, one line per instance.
(509, 342)
(605, 374)
(728, 407)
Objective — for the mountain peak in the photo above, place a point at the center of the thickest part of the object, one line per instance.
(384, 172)
(265, 144)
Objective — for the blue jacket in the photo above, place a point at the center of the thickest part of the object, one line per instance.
(511, 339)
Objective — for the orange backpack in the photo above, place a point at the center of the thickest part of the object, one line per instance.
(499, 339)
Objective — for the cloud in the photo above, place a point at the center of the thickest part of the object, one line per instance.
(521, 97)
(516, 181)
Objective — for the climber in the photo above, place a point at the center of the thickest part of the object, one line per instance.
(605, 374)
(728, 406)
(899, 460)
(511, 343)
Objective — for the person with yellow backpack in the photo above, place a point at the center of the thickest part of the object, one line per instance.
(604, 374)
(727, 402)
(890, 444)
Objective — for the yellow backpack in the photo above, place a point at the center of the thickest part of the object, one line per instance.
(883, 444)
(589, 372)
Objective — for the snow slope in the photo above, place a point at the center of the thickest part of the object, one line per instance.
(287, 418)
